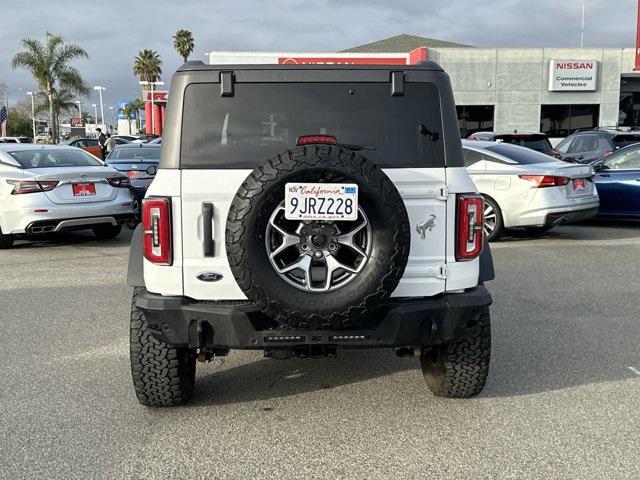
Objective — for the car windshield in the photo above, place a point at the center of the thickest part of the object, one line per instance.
(519, 155)
(133, 154)
(47, 158)
(261, 120)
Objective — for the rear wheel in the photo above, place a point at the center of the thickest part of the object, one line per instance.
(107, 232)
(163, 375)
(493, 224)
(459, 369)
(6, 241)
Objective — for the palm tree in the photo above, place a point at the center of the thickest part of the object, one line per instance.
(138, 104)
(129, 111)
(183, 43)
(147, 66)
(63, 102)
(49, 63)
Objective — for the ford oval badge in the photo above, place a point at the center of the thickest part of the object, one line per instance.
(209, 277)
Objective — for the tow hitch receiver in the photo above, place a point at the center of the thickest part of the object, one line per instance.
(301, 351)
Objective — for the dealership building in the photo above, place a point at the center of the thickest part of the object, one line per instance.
(553, 90)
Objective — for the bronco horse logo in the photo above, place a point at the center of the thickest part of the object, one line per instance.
(426, 225)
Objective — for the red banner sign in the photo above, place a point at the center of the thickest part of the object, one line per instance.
(158, 96)
(77, 122)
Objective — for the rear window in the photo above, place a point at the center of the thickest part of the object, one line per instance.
(519, 155)
(624, 140)
(537, 143)
(54, 158)
(261, 120)
(129, 154)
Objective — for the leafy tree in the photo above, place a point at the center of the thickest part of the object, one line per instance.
(129, 111)
(63, 103)
(147, 66)
(183, 43)
(49, 64)
(18, 124)
(138, 104)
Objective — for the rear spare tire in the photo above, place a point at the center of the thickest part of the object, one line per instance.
(317, 275)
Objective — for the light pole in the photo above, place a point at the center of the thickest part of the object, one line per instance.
(95, 111)
(112, 116)
(152, 84)
(33, 114)
(79, 102)
(100, 89)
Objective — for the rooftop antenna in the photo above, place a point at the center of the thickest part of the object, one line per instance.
(582, 29)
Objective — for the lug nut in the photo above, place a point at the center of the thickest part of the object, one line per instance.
(304, 247)
(332, 246)
(318, 254)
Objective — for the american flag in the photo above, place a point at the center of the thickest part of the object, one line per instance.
(3, 121)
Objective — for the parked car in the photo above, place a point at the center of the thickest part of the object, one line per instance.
(156, 141)
(145, 138)
(126, 138)
(90, 145)
(15, 140)
(50, 188)
(344, 226)
(586, 146)
(524, 188)
(534, 140)
(618, 181)
(41, 137)
(139, 162)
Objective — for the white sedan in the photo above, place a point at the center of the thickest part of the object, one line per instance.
(46, 188)
(525, 188)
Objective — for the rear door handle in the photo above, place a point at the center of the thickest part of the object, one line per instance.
(208, 245)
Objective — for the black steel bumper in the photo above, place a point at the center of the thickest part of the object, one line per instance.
(570, 217)
(401, 323)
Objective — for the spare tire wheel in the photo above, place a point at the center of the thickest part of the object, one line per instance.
(317, 274)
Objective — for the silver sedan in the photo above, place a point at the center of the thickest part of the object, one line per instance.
(47, 188)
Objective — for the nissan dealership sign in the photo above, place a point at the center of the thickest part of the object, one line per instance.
(573, 75)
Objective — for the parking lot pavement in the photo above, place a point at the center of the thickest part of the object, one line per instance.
(562, 399)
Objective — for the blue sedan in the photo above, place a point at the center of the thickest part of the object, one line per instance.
(618, 182)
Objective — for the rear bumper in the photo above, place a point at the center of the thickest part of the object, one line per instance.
(81, 223)
(402, 323)
(557, 218)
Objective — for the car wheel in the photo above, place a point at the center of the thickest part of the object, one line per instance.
(6, 241)
(107, 232)
(459, 369)
(493, 224)
(312, 274)
(163, 375)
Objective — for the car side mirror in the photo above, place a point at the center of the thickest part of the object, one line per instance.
(151, 170)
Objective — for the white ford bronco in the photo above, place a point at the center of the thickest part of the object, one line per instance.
(300, 209)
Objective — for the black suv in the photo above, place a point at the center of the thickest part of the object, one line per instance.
(586, 146)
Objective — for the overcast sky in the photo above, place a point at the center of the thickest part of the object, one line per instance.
(113, 32)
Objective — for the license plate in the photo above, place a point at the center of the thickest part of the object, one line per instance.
(321, 201)
(83, 189)
(578, 184)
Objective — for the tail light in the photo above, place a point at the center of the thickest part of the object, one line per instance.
(119, 182)
(470, 233)
(31, 186)
(307, 139)
(133, 173)
(156, 226)
(543, 181)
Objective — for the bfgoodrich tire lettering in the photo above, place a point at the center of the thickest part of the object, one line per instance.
(163, 375)
(459, 369)
(263, 191)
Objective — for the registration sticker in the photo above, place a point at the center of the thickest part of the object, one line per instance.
(321, 201)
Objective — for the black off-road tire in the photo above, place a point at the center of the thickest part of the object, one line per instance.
(459, 369)
(263, 191)
(163, 375)
(6, 241)
(107, 232)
